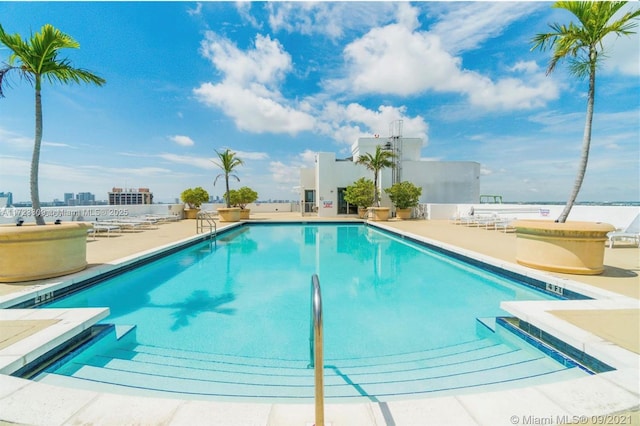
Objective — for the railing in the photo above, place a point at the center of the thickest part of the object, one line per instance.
(207, 217)
(316, 348)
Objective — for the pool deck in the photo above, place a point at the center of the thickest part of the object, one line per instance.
(607, 327)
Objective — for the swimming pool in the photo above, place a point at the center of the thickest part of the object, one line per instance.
(231, 319)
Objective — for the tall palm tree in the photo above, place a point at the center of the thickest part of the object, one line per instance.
(582, 45)
(375, 162)
(35, 59)
(228, 162)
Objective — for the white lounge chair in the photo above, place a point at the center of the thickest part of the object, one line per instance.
(631, 232)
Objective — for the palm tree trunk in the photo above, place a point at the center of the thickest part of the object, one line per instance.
(35, 158)
(376, 197)
(586, 143)
(227, 198)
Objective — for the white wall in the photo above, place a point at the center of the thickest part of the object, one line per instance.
(444, 181)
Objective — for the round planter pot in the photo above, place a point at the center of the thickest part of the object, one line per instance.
(231, 214)
(380, 214)
(191, 213)
(362, 212)
(31, 252)
(570, 248)
(244, 214)
(403, 214)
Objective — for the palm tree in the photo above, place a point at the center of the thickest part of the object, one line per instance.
(583, 46)
(228, 162)
(381, 159)
(34, 60)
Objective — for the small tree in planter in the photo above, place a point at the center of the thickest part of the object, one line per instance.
(194, 197)
(240, 198)
(361, 194)
(405, 196)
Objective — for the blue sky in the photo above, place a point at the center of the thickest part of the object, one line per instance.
(277, 82)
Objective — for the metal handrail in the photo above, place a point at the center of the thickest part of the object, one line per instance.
(201, 217)
(316, 348)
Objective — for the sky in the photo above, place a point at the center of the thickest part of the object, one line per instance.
(278, 82)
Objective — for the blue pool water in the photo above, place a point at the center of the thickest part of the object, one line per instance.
(245, 300)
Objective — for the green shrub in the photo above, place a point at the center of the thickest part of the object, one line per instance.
(241, 197)
(404, 195)
(194, 197)
(361, 193)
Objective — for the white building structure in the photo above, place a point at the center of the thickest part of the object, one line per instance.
(322, 188)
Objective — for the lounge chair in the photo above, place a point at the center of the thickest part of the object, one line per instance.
(631, 232)
(105, 229)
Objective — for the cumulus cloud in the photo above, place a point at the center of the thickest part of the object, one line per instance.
(182, 140)
(345, 123)
(398, 60)
(249, 91)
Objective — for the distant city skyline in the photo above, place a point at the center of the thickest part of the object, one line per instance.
(278, 82)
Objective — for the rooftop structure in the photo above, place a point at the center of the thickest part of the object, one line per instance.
(322, 188)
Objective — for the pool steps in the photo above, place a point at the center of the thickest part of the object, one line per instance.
(486, 363)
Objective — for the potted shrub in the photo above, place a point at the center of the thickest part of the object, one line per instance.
(242, 197)
(32, 252)
(405, 196)
(228, 163)
(375, 162)
(194, 198)
(360, 194)
(560, 246)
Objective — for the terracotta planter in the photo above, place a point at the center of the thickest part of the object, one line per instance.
(244, 214)
(32, 252)
(571, 247)
(362, 212)
(191, 213)
(231, 214)
(403, 213)
(380, 214)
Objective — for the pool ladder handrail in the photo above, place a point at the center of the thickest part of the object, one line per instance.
(316, 344)
(203, 217)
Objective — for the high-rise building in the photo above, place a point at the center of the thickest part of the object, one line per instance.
(9, 198)
(119, 196)
(68, 196)
(85, 198)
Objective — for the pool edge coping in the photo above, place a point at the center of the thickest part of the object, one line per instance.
(623, 393)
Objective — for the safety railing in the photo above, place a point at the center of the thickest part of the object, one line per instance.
(316, 360)
(206, 220)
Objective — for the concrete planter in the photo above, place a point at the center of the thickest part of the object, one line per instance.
(363, 212)
(191, 213)
(380, 214)
(231, 214)
(571, 247)
(403, 214)
(244, 214)
(32, 252)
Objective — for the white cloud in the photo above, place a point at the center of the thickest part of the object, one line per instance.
(253, 112)
(248, 91)
(266, 63)
(466, 26)
(397, 60)
(199, 162)
(182, 140)
(331, 19)
(196, 11)
(247, 155)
